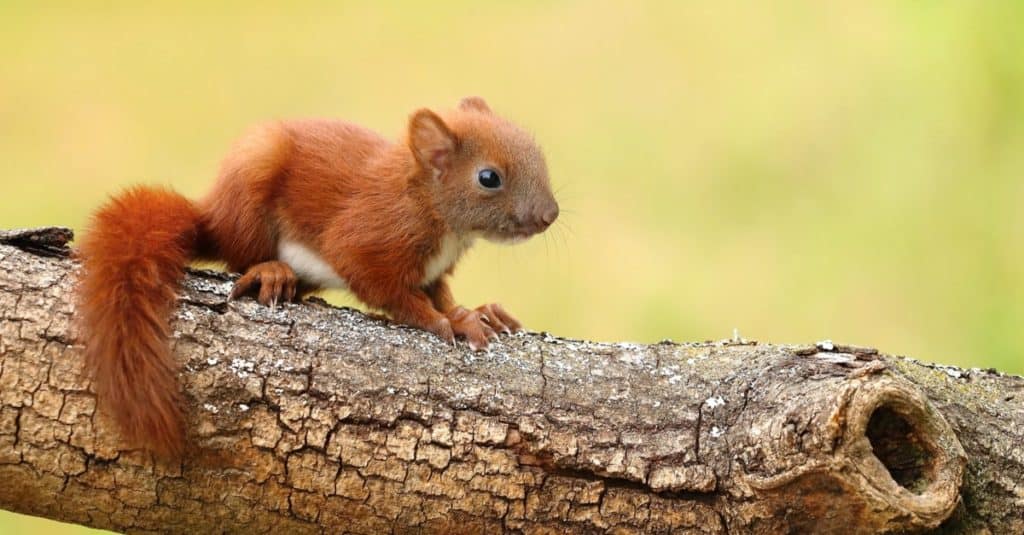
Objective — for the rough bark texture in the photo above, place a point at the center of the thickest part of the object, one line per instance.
(309, 418)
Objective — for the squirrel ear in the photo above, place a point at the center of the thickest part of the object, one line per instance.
(430, 139)
(474, 103)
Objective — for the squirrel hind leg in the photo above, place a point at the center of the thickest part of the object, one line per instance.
(275, 279)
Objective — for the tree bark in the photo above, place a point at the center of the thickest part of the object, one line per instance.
(310, 418)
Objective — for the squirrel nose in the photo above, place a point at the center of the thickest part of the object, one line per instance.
(539, 217)
(550, 215)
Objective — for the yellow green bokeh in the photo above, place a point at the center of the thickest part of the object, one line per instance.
(798, 170)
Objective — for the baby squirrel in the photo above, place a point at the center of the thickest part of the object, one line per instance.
(298, 206)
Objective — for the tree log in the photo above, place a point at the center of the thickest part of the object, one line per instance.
(308, 418)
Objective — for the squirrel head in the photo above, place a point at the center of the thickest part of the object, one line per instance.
(487, 174)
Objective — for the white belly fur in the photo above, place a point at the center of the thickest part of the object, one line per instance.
(450, 250)
(311, 268)
(308, 265)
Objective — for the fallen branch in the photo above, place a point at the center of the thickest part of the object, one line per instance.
(309, 418)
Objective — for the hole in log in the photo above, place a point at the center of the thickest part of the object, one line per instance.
(901, 449)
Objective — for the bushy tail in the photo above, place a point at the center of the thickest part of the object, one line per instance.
(133, 260)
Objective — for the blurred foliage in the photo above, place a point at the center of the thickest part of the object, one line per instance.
(798, 170)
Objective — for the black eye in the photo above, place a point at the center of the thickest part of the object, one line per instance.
(489, 179)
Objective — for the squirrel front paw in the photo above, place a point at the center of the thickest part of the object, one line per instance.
(443, 329)
(499, 320)
(277, 282)
(482, 325)
(472, 325)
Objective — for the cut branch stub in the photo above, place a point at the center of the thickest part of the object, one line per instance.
(308, 418)
(877, 455)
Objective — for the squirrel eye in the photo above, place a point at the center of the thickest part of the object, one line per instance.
(489, 179)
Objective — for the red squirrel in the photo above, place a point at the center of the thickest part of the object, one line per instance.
(299, 206)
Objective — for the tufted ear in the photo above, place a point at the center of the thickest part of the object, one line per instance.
(474, 103)
(430, 139)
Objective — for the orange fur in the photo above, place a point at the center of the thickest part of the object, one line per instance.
(371, 211)
(132, 262)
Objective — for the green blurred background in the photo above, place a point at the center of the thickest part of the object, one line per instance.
(798, 170)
